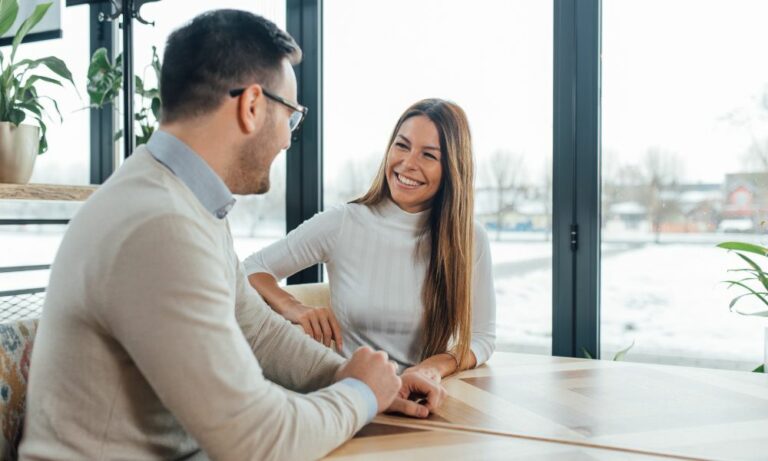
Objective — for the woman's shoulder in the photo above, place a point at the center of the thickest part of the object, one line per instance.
(482, 243)
(481, 236)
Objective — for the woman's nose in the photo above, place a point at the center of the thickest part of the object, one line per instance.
(409, 160)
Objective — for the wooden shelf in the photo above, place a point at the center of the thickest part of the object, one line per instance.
(45, 192)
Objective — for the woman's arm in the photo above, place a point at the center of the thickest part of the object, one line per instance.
(318, 322)
(439, 366)
(483, 318)
(310, 243)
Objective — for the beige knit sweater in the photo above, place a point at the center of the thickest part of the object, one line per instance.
(153, 346)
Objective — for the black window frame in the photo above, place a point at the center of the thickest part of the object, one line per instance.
(576, 157)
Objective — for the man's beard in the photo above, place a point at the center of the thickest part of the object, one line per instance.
(250, 174)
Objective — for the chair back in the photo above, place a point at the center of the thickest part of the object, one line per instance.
(16, 340)
(311, 294)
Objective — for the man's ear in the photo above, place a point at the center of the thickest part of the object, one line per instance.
(251, 109)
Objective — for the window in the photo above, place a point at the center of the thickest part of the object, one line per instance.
(65, 162)
(685, 166)
(256, 221)
(381, 57)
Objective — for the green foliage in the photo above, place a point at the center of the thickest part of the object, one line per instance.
(755, 280)
(105, 80)
(618, 357)
(754, 283)
(18, 91)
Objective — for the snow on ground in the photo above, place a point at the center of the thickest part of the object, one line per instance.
(667, 298)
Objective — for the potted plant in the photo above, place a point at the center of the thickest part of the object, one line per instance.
(105, 80)
(19, 99)
(754, 283)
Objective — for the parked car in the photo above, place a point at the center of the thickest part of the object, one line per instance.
(741, 225)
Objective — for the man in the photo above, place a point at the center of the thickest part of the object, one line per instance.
(152, 344)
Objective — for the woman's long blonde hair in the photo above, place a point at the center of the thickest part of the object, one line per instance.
(449, 231)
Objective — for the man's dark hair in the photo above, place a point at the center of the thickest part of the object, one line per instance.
(218, 51)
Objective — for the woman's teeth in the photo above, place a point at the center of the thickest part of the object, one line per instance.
(406, 181)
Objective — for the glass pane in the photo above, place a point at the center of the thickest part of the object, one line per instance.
(684, 168)
(256, 221)
(380, 57)
(67, 160)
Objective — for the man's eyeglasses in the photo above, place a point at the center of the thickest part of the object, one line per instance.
(297, 116)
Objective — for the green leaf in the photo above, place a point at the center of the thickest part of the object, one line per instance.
(139, 84)
(760, 369)
(748, 288)
(99, 62)
(9, 10)
(743, 246)
(737, 298)
(58, 67)
(753, 314)
(758, 270)
(585, 353)
(16, 116)
(156, 108)
(28, 24)
(620, 355)
(32, 106)
(42, 146)
(117, 136)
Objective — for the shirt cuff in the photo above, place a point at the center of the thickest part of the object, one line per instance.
(366, 392)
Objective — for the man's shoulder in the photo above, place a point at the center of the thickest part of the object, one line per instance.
(143, 187)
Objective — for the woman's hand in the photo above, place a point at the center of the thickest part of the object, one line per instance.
(318, 322)
(431, 373)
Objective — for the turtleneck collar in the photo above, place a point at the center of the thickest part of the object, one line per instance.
(402, 219)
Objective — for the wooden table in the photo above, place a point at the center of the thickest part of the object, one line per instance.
(533, 407)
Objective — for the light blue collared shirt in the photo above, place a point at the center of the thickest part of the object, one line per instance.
(192, 170)
(216, 197)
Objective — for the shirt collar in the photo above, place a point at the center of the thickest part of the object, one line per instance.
(192, 170)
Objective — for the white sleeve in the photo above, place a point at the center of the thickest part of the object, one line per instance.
(483, 299)
(176, 319)
(310, 243)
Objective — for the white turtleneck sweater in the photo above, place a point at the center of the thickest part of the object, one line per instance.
(376, 278)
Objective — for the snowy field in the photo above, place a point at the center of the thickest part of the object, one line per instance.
(668, 298)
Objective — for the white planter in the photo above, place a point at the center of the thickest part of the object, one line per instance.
(765, 355)
(18, 151)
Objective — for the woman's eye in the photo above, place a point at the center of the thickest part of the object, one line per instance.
(400, 145)
(432, 156)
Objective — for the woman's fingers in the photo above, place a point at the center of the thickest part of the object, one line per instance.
(336, 329)
(326, 327)
(321, 324)
(317, 331)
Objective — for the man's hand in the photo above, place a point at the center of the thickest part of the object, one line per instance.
(318, 322)
(375, 370)
(418, 396)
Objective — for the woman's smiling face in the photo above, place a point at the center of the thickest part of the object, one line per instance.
(414, 166)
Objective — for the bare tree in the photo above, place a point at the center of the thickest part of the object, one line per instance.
(355, 177)
(507, 174)
(662, 170)
(756, 156)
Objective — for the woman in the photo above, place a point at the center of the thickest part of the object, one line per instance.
(409, 272)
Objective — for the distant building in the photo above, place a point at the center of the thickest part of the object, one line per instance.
(745, 200)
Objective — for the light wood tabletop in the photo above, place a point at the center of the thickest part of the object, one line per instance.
(520, 401)
(383, 442)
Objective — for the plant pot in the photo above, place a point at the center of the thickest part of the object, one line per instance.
(765, 356)
(18, 151)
